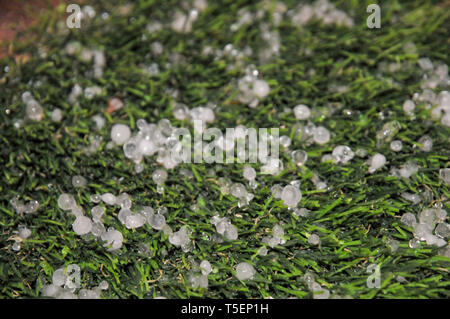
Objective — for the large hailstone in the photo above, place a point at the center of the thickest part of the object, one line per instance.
(120, 133)
(291, 196)
(245, 271)
(82, 225)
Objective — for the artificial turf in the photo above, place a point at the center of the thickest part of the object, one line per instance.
(355, 219)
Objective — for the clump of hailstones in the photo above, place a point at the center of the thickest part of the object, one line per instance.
(239, 191)
(320, 10)
(34, 110)
(318, 291)
(376, 162)
(181, 239)
(224, 227)
(199, 276)
(429, 220)
(251, 88)
(245, 271)
(277, 237)
(65, 282)
(24, 208)
(22, 234)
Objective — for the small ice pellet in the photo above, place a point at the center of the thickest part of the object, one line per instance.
(24, 232)
(245, 271)
(427, 143)
(32, 206)
(206, 268)
(57, 115)
(302, 112)
(396, 145)
(97, 212)
(99, 121)
(285, 141)
(342, 154)
(109, 199)
(113, 239)
(321, 135)
(66, 202)
(314, 239)
(95, 198)
(260, 88)
(120, 133)
(291, 196)
(299, 157)
(34, 110)
(408, 106)
(444, 174)
(103, 285)
(238, 190)
(249, 173)
(159, 176)
(79, 181)
(135, 221)
(82, 225)
(59, 278)
(16, 246)
(157, 221)
(376, 162)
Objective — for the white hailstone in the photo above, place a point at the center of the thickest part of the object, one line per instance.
(376, 162)
(179, 238)
(276, 191)
(57, 115)
(79, 181)
(427, 143)
(97, 228)
(428, 216)
(92, 91)
(263, 251)
(301, 212)
(103, 285)
(445, 120)
(34, 110)
(24, 232)
(124, 201)
(414, 198)
(198, 281)
(82, 225)
(273, 166)
(88, 294)
(180, 111)
(97, 212)
(59, 277)
(299, 157)
(414, 243)
(442, 230)
(95, 198)
(393, 244)
(16, 246)
(135, 221)
(342, 154)
(249, 173)
(159, 176)
(77, 211)
(260, 88)
(231, 232)
(245, 271)
(31, 207)
(319, 292)
(123, 214)
(408, 169)
(441, 214)
(396, 145)
(50, 290)
(444, 174)
(238, 190)
(291, 196)
(285, 141)
(156, 221)
(314, 239)
(147, 148)
(206, 268)
(109, 199)
(99, 121)
(302, 112)
(120, 133)
(138, 168)
(112, 238)
(409, 219)
(66, 202)
(425, 64)
(408, 106)
(421, 230)
(321, 135)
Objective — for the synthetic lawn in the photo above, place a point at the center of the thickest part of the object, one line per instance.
(354, 218)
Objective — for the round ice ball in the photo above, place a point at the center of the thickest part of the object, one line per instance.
(261, 88)
(120, 133)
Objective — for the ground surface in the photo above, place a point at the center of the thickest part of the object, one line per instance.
(354, 219)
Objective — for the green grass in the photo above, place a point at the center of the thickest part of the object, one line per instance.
(354, 219)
